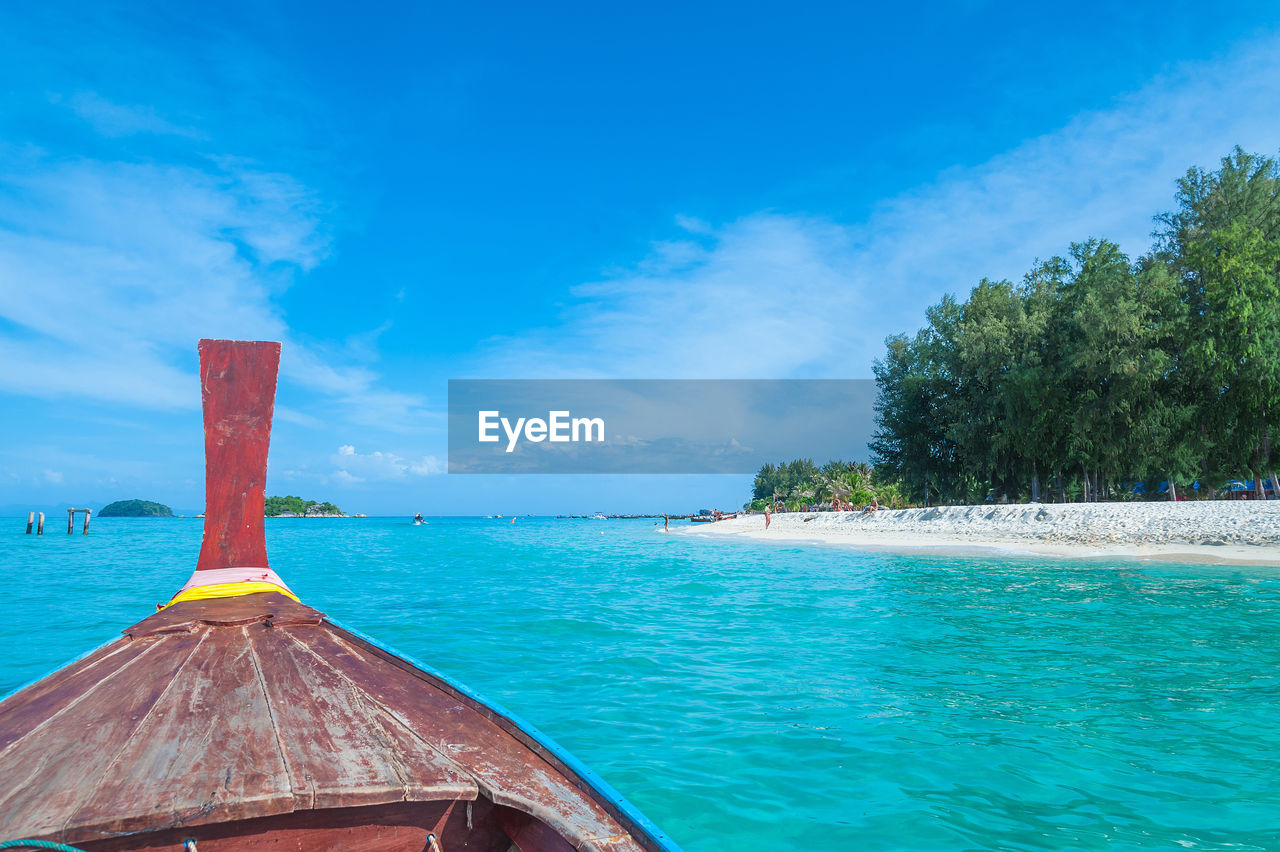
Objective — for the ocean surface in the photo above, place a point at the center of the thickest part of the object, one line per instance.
(751, 697)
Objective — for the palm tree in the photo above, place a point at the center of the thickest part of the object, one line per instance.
(837, 487)
(803, 493)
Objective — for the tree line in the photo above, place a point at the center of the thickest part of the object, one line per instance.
(1096, 372)
(275, 506)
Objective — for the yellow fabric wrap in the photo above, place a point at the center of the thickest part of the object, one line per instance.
(229, 590)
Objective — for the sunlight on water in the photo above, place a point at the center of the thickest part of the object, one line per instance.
(751, 697)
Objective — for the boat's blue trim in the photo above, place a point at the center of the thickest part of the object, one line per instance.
(53, 672)
(597, 783)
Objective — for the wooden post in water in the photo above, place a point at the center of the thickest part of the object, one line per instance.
(31, 521)
(71, 520)
(40, 526)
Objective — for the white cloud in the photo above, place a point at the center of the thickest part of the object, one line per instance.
(774, 295)
(112, 119)
(110, 272)
(354, 467)
(53, 476)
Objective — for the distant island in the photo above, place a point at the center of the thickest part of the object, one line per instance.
(296, 507)
(135, 509)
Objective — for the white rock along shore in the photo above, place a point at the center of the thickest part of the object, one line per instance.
(1220, 531)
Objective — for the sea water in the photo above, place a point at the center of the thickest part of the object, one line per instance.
(756, 696)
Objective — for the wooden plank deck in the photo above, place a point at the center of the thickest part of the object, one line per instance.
(255, 707)
(53, 766)
(207, 750)
(341, 748)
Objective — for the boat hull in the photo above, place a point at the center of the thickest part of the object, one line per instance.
(244, 720)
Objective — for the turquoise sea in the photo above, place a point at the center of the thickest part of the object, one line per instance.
(762, 697)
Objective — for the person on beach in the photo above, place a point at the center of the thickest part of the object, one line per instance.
(871, 507)
(767, 519)
(666, 523)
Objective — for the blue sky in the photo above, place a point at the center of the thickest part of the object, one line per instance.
(405, 194)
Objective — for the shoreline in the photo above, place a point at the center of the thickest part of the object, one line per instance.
(1214, 533)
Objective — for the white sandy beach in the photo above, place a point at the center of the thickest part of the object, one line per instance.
(1223, 532)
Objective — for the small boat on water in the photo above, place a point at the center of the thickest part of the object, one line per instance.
(237, 717)
(707, 516)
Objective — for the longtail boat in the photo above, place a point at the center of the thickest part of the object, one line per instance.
(237, 717)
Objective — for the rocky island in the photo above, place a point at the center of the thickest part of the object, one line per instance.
(135, 509)
(296, 507)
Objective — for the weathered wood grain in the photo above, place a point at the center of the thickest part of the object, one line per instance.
(40, 702)
(206, 753)
(238, 382)
(342, 749)
(54, 767)
(185, 616)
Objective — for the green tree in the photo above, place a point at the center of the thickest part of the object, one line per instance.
(914, 388)
(1223, 243)
(987, 345)
(1034, 392)
(1110, 364)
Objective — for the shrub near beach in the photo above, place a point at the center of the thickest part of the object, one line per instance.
(800, 485)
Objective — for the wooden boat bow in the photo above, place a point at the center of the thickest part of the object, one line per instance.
(239, 717)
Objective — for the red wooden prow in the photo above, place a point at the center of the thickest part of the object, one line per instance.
(238, 380)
